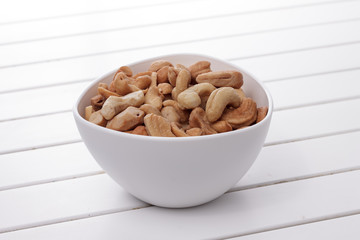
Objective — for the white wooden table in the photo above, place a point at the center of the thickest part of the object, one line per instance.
(305, 183)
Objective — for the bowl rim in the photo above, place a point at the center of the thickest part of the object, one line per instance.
(79, 118)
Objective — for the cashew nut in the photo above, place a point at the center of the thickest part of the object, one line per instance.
(153, 79)
(172, 74)
(199, 68)
(126, 70)
(242, 116)
(162, 74)
(261, 113)
(139, 130)
(114, 105)
(221, 126)
(127, 119)
(218, 100)
(182, 82)
(180, 66)
(184, 115)
(142, 82)
(191, 97)
(155, 66)
(106, 93)
(147, 108)
(154, 97)
(198, 119)
(88, 111)
(97, 102)
(194, 132)
(241, 93)
(148, 73)
(170, 114)
(222, 78)
(165, 88)
(121, 85)
(157, 126)
(98, 119)
(178, 132)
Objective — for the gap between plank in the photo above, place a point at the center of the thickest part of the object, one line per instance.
(297, 50)
(95, 12)
(191, 41)
(57, 179)
(299, 223)
(293, 179)
(114, 211)
(316, 103)
(311, 75)
(312, 137)
(168, 23)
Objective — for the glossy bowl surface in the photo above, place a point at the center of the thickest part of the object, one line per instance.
(176, 172)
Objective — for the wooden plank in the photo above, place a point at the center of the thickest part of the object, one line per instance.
(184, 31)
(12, 13)
(46, 165)
(303, 63)
(287, 125)
(113, 20)
(334, 229)
(35, 102)
(77, 198)
(244, 47)
(303, 159)
(37, 132)
(286, 94)
(233, 214)
(314, 121)
(304, 91)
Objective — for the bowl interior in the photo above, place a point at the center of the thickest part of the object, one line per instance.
(251, 87)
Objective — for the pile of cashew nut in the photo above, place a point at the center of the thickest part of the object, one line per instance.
(174, 101)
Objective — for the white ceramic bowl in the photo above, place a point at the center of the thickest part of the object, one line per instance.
(176, 172)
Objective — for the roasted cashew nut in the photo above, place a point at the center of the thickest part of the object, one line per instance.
(165, 88)
(162, 74)
(127, 119)
(114, 105)
(194, 131)
(221, 126)
(147, 108)
(170, 114)
(155, 66)
(242, 116)
(172, 74)
(98, 119)
(143, 82)
(184, 115)
(154, 97)
(182, 82)
(178, 132)
(191, 97)
(157, 126)
(198, 119)
(218, 101)
(222, 78)
(139, 130)
(199, 68)
(261, 113)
